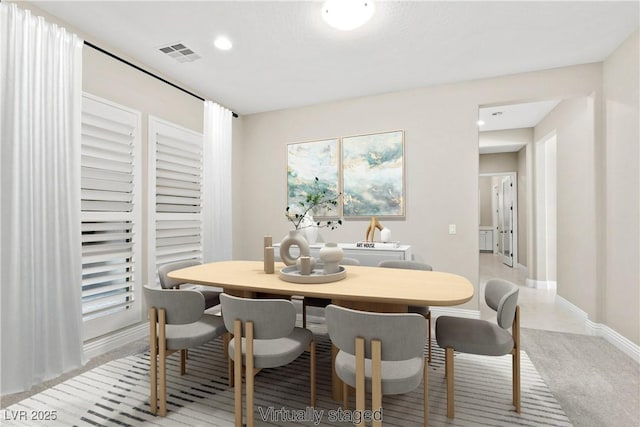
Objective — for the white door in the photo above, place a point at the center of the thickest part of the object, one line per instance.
(506, 214)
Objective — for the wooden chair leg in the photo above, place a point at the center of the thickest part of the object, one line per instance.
(376, 379)
(519, 398)
(153, 373)
(162, 354)
(345, 396)
(516, 379)
(304, 313)
(449, 374)
(513, 377)
(312, 372)
(360, 381)
(249, 373)
(425, 380)
(226, 338)
(428, 316)
(225, 342)
(183, 361)
(237, 370)
(515, 330)
(230, 373)
(336, 382)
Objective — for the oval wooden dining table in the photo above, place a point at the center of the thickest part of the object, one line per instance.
(383, 290)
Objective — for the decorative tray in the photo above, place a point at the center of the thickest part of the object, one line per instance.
(292, 274)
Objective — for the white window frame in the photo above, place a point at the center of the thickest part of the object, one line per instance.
(170, 130)
(111, 322)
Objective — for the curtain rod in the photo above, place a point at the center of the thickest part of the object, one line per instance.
(99, 49)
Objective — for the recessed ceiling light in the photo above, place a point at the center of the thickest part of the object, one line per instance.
(223, 43)
(480, 122)
(347, 15)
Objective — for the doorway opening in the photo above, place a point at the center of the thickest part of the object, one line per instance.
(499, 229)
(545, 212)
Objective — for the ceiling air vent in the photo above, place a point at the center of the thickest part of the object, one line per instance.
(179, 52)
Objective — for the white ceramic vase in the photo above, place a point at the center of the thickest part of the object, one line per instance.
(294, 238)
(310, 229)
(331, 255)
(385, 235)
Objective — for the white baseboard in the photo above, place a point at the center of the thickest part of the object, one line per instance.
(540, 284)
(622, 343)
(110, 342)
(573, 308)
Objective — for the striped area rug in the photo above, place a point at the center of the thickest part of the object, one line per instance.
(117, 393)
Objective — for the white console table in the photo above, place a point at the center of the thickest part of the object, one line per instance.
(366, 256)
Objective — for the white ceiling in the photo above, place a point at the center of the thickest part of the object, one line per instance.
(505, 117)
(515, 116)
(285, 56)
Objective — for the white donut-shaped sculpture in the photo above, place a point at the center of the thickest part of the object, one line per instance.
(293, 239)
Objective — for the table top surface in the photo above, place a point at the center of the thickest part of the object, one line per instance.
(371, 284)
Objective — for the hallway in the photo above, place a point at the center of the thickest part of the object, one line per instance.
(539, 308)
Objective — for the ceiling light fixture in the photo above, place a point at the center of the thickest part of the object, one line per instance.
(347, 15)
(480, 122)
(223, 43)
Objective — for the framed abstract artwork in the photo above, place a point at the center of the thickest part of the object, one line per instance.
(373, 175)
(307, 161)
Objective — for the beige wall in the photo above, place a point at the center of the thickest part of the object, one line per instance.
(621, 296)
(498, 163)
(598, 214)
(523, 206)
(441, 141)
(505, 139)
(485, 195)
(572, 121)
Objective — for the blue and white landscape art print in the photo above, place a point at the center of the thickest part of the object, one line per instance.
(373, 174)
(305, 162)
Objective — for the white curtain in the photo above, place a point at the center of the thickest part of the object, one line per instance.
(40, 249)
(216, 199)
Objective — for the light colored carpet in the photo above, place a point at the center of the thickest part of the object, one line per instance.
(596, 384)
(116, 394)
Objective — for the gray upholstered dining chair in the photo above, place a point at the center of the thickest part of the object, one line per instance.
(264, 332)
(211, 297)
(420, 309)
(176, 322)
(477, 336)
(322, 302)
(381, 353)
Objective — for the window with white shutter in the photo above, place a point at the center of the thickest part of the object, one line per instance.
(111, 216)
(175, 186)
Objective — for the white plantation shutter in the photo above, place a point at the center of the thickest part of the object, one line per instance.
(178, 175)
(175, 165)
(110, 216)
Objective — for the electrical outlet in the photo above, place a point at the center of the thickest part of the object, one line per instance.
(452, 229)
